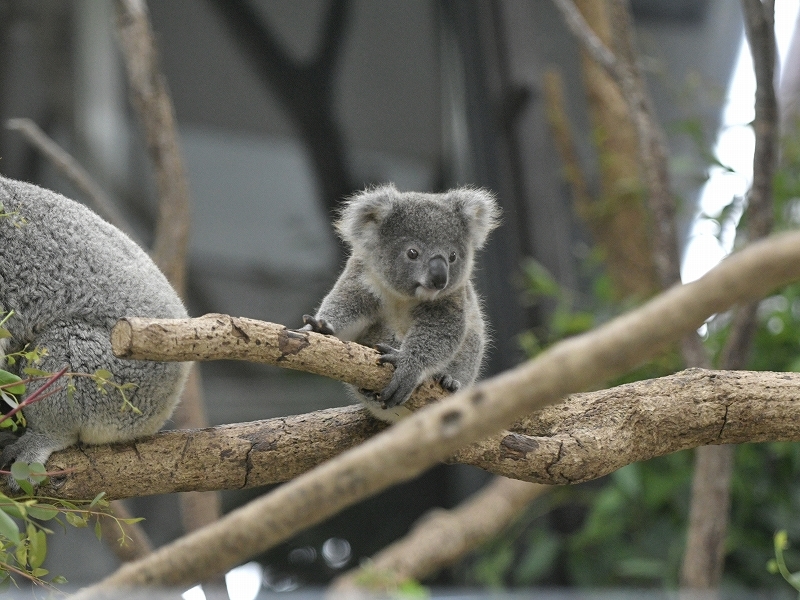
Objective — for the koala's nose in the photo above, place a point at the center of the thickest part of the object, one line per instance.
(437, 269)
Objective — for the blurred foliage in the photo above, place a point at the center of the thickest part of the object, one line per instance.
(628, 529)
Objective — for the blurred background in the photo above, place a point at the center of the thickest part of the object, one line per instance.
(286, 107)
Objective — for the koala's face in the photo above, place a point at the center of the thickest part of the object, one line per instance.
(423, 249)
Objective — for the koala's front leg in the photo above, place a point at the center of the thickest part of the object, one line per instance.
(404, 379)
(347, 309)
(429, 345)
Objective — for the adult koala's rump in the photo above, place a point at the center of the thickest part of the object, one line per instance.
(407, 289)
(69, 276)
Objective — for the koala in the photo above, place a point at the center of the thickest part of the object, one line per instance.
(406, 288)
(69, 276)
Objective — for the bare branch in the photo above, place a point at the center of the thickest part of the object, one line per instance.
(72, 170)
(442, 537)
(590, 40)
(433, 434)
(708, 517)
(654, 154)
(153, 104)
(584, 437)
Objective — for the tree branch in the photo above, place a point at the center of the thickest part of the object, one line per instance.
(624, 71)
(708, 517)
(431, 435)
(441, 537)
(74, 172)
(153, 104)
(584, 437)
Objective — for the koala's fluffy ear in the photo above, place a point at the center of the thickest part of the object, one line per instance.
(480, 210)
(364, 212)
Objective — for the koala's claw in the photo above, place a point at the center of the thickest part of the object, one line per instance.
(448, 382)
(316, 325)
(389, 354)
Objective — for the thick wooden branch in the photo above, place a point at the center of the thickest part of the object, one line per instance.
(222, 337)
(584, 437)
(435, 433)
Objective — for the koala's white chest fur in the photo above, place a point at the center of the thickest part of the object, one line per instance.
(395, 311)
(397, 314)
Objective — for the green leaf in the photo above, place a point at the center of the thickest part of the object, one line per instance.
(38, 547)
(15, 509)
(58, 580)
(9, 379)
(4, 333)
(9, 528)
(20, 470)
(132, 520)
(33, 372)
(39, 572)
(96, 499)
(98, 530)
(26, 486)
(42, 512)
(38, 473)
(104, 374)
(76, 520)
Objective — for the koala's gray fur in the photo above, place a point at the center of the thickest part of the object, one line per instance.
(68, 276)
(407, 289)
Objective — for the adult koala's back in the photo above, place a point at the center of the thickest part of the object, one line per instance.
(69, 276)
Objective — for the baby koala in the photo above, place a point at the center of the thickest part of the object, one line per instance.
(69, 276)
(407, 289)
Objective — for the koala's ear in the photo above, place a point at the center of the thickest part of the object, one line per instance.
(480, 211)
(364, 212)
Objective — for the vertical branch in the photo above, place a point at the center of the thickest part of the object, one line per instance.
(651, 140)
(708, 518)
(760, 31)
(153, 104)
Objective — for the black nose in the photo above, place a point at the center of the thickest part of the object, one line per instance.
(437, 269)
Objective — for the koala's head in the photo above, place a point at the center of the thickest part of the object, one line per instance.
(418, 245)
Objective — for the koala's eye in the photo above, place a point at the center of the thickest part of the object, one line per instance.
(412, 253)
(453, 257)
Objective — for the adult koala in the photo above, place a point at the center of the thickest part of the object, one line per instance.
(68, 276)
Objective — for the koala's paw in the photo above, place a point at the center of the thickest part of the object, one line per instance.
(316, 325)
(448, 382)
(389, 354)
(403, 382)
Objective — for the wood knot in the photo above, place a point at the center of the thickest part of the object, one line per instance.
(516, 447)
(291, 342)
